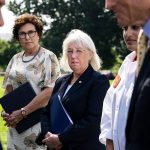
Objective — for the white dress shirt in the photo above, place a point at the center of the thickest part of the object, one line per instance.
(116, 105)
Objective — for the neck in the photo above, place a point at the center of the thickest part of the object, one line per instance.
(32, 51)
(74, 78)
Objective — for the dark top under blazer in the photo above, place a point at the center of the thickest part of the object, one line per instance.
(84, 104)
(138, 123)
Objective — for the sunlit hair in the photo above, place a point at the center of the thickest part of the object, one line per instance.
(24, 19)
(84, 40)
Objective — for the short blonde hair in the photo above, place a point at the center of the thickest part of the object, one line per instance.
(84, 40)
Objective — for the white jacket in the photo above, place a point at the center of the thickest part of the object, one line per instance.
(116, 104)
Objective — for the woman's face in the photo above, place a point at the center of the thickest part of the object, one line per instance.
(130, 34)
(28, 37)
(78, 58)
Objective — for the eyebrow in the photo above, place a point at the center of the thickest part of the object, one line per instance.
(28, 31)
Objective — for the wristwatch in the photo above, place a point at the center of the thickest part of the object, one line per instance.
(23, 112)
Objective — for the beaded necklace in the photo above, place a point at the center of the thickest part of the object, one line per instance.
(25, 61)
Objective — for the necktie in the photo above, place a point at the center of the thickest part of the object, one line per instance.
(141, 49)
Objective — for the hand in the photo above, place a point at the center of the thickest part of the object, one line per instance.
(52, 141)
(14, 118)
(5, 116)
(109, 144)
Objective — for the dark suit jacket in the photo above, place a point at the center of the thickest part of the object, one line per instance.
(138, 123)
(83, 102)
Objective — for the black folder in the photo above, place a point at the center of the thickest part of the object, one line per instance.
(59, 117)
(17, 99)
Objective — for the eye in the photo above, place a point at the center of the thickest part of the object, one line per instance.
(79, 51)
(69, 51)
(31, 32)
(22, 33)
(135, 27)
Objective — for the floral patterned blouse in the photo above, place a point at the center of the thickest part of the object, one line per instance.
(42, 71)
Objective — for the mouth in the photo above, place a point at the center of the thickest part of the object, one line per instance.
(74, 63)
(130, 42)
(28, 43)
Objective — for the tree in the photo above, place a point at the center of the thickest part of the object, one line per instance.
(87, 15)
(8, 49)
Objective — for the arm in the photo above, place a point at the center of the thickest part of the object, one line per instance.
(39, 101)
(106, 119)
(109, 145)
(52, 71)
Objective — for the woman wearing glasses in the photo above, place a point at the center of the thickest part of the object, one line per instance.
(36, 65)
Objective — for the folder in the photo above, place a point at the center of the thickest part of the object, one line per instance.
(17, 99)
(59, 117)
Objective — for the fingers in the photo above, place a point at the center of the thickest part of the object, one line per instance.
(48, 134)
(4, 115)
(12, 119)
(52, 141)
(11, 123)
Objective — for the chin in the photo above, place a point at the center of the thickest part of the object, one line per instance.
(131, 48)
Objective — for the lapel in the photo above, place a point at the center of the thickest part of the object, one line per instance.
(144, 72)
(82, 80)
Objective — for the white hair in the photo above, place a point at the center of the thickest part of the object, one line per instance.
(82, 39)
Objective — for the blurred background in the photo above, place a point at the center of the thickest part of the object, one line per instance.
(59, 17)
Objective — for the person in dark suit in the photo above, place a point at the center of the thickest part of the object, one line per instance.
(81, 92)
(129, 12)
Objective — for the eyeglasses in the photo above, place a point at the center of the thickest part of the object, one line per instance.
(22, 35)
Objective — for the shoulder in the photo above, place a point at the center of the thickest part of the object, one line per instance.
(99, 78)
(59, 81)
(17, 56)
(49, 55)
(62, 78)
(99, 75)
(47, 52)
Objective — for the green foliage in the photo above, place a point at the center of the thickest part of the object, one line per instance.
(7, 50)
(64, 15)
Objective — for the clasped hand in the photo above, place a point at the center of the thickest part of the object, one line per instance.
(52, 141)
(12, 119)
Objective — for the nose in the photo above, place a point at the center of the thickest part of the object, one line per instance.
(109, 4)
(27, 36)
(129, 32)
(74, 54)
(1, 19)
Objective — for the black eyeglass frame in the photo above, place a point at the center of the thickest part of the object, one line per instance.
(22, 35)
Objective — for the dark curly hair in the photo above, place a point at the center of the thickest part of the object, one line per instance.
(27, 18)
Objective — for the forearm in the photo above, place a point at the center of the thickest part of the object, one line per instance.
(109, 144)
(40, 101)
